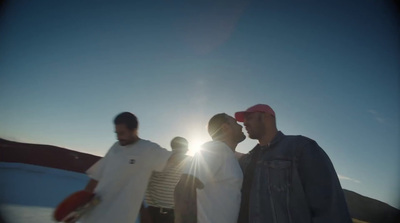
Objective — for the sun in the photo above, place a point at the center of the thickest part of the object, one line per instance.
(195, 146)
(196, 135)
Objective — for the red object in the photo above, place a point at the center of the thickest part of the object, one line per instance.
(71, 203)
(256, 108)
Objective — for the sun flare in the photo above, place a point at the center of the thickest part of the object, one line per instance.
(195, 146)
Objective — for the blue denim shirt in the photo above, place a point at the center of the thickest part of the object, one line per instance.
(295, 182)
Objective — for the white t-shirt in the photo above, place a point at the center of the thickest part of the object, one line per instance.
(216, 166)
(122, 176)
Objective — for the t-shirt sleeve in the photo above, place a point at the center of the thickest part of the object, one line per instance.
(96, 170)
(204, 165)
(161, 157)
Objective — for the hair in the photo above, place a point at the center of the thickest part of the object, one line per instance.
(179, 143)
(128, 119)
(215, 123)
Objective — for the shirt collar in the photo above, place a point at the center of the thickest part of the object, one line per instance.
(278, 137)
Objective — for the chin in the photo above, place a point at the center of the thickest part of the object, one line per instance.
(253, 137)
(242, 138)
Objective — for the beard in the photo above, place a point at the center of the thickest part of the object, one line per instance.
(241, 138)
(126, 142)
(254, 134)
(257, 129)
(123, 143)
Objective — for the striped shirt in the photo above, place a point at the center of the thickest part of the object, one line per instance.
(160, 190)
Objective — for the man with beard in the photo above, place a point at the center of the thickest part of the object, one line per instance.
(209, 190)
(120, 178)
(287, 178)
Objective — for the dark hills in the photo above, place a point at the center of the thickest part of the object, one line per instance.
(362, 208)
(45, 155)
(370, 210)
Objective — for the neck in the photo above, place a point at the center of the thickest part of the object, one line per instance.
(267, 138)
(134, 139)
(231, 144)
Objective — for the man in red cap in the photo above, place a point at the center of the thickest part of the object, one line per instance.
(287, 178)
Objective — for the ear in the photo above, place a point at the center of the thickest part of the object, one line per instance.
(263, 117)
(268, 118)
(225, 127)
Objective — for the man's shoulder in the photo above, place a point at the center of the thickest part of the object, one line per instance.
(213, 143)
(209, 151)
(114, 147)
(146, 142)
(115, 144)
(215, 146)
(154, 148)
(300, 144)
(298, 139)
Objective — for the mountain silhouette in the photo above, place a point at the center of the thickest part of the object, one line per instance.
(45, 155)
(370, 210)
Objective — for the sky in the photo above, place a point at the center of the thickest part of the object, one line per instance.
(329, 69)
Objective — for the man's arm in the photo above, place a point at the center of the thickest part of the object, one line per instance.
(238, 155)
(185, 198)
(322, 187)
(95, 172)
(91, 185)
(161, 158)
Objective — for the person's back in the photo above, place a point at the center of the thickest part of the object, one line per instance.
(160, 191)
(209, 190)
(215, 165)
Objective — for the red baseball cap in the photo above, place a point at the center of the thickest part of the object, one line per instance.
(239, 116)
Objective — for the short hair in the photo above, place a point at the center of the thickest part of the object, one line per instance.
(179, 143)
(128, 119)
(215, 123)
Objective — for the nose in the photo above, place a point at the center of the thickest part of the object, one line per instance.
(119, 138)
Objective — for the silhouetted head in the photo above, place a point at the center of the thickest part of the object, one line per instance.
(224, 127)
(179, 144)
(259, 121)
(126, 125)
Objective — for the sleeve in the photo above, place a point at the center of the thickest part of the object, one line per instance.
(161, 157)
(97, 169)
(244, 161)
(238, 155)
(321, 186)
(204, 165)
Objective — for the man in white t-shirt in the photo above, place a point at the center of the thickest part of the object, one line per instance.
(120, 178)
(209, 190)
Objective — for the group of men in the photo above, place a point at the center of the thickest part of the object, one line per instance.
(283, 179)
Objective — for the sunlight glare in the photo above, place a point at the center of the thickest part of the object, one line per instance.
(194, 146)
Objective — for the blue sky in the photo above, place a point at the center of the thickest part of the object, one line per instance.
(330, 70)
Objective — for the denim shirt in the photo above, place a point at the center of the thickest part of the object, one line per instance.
(295, 182)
